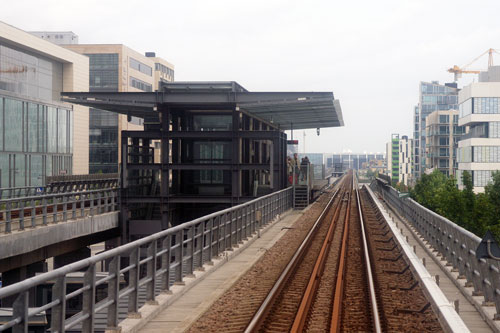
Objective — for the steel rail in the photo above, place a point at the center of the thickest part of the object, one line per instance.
(260, 314)
(312, 286)
(339, 285)
(371, 284)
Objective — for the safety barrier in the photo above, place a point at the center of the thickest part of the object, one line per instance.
(457, 245)
(16, 214)
(154, 263)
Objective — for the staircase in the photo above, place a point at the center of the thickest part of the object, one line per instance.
(300, 196)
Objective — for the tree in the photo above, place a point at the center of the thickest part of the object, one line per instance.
(492, 192)
(469, 199)
(450, 202)
(426, 189)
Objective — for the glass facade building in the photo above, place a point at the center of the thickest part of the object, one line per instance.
(103, 125)
(443, 134)
(114, 68)
(432, 97)
(36, 131)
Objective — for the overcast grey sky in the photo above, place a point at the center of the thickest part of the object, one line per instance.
(371, 54)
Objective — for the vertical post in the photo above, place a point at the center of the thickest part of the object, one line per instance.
(192, 233)
(165, 262)
(21, 214)
(88, 306)
(8, 225)
(134, 274)
(54, 209)
(113, 293)
(73, 206)
(180, 251)
(20, 309)
(202, 241)
(59, 311)
(151, 273)
(33, 213)
(165, 165)
(235, 167)
(91, 209)
(82, 205)
(99, 206)
(65, 208)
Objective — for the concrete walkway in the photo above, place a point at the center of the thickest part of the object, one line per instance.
(185, 310)
(469, 314)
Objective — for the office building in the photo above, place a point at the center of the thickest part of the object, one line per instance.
(117, 68)
(443, 134)
(40, 135)
(479, 148)
(432, 97)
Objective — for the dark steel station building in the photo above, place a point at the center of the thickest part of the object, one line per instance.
(205, 146)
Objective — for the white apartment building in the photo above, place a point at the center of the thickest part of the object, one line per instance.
(479, 148)
(405, 162)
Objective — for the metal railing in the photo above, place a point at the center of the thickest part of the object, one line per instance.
(457, 245)
(155, 263)
(16, 214)
(61, 184)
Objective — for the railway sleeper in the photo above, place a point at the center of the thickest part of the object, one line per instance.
(392, 259)
(422, 310)
(397, 272)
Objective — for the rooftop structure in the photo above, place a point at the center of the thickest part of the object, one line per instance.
(219, 145)
(57, 37)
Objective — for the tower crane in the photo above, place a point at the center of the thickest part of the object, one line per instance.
(458, 71)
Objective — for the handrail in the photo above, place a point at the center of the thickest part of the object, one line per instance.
(452, 241)
(180, 249)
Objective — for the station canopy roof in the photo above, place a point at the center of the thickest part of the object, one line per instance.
(286, 110)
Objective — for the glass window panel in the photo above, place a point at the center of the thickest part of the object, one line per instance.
(51, 129)
(32, 127)
(20, 170)
(62, 131)
(4, 170)
(212, 122)
(14, 118)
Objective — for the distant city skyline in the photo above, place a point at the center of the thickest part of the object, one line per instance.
(372, 55)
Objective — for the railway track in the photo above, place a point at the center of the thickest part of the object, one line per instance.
(335, 286)
(348, 275)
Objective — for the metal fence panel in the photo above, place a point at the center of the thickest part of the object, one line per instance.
(456, 244)
(178, 251)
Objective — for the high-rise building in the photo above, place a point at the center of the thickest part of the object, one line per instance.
(393, 158)
(40, 135)
(117, 68)
(405, 158)
(479, 148)
(399, 159)
(432, 97)
(443, 134)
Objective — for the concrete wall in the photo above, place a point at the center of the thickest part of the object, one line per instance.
(18, 243)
